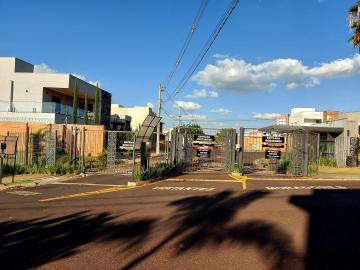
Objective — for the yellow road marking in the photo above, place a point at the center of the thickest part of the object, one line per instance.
(306, 179)
(242, 179)
(90, 193)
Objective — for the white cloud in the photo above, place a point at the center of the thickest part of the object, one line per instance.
(150, 104)
(221, 56)
(202, 94)
(193, 117)
(265, 116)
(220, 111)
(79, 76)
(187, 106)
(43, 68)
(238, 75)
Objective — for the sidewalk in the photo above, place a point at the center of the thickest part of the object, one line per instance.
(31, 180)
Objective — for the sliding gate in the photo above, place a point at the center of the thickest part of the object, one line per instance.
(207, 149)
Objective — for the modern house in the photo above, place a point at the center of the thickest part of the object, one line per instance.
(27, 96)
(137, 114)
(305, 117)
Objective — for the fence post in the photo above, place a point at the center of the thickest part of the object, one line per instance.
(318, 154)
(71, 145)
(143, 159)
(233, 147)
(83, 150)
(27, 144)
(306, 153)
(241, 147)
(75, 146)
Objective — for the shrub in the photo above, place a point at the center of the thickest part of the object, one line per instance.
(9, 169)
(234, 168)
(327, 162)
(285, 165)
(159, 170)
(53, 169)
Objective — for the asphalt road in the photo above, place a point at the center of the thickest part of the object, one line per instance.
(181, 225)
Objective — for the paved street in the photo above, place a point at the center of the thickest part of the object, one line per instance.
(97, 223)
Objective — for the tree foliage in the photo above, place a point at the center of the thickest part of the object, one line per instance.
(75, 104)
(191, 129)
(97, 105)
(223, 134)
(354, 24)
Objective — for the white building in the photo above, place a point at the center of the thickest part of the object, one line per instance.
(305, 117)
(44, 97)
(137, 114)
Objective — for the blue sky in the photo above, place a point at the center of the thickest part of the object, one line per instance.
(270, 55)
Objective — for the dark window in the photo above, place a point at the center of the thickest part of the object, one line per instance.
(348, 133)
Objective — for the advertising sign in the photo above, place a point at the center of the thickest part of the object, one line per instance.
(127, 145)
(203, 152)
(208, 140)
(273, 141)
(272, 154)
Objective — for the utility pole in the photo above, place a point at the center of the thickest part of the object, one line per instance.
(179, 117)
(161, 89)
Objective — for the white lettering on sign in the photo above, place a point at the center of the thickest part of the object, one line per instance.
(184, 188)
(305, 187)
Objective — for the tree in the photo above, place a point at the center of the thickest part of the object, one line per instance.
(86, 117)
(222, 134)
(97, 105)
(354, 24)
(75, 104)
(191, 129)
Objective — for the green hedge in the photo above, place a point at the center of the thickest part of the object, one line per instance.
(159, 170)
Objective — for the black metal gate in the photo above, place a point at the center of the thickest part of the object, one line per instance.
(210, 149)
(293, 153)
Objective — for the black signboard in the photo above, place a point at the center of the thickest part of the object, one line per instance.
(273, 141)
(127, 145)
(272, 154)
(203, 152)
(208, 140)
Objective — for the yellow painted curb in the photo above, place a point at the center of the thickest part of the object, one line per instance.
(242, 179)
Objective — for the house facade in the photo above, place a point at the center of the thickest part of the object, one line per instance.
(27, 96)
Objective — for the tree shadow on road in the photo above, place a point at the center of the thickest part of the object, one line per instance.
(203, 221)
(334, 229)
(32, 243)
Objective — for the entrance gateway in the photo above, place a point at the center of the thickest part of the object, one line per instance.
(256, 151)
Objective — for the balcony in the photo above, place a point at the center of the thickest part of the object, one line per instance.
(42, 107)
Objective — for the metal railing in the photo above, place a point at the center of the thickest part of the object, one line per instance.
(41, 107)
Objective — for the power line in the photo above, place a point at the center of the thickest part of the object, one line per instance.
(187, 41)
(205, 49)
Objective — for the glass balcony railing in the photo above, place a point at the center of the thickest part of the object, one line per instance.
(41, 107)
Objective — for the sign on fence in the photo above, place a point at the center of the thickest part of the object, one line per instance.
(273, 141)
(272, 154)
(204, 140)
(203, 152)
